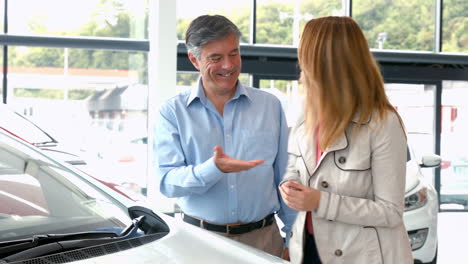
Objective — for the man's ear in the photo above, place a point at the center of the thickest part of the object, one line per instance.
(193, 60)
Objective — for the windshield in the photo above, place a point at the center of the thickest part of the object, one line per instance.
(22, 127)
(41, 196)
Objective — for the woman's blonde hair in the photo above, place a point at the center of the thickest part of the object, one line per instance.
(340, 76)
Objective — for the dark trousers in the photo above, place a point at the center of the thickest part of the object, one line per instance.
(310, 250)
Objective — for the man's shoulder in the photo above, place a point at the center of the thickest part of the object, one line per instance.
(263, 94)
(176, 101)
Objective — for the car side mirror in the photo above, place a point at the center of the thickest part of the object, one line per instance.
(431, 161)
(152, 223)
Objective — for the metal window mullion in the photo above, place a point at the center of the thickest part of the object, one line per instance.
(5, 55)
(438, 26)
(347, 4)
(255, 81)
(5, 17)
(253, 22)
(437, 133)
(76, 42)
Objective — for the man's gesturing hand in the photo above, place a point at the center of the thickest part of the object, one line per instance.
(228, 164)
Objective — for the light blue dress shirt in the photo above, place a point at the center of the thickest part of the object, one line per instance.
(253, 126)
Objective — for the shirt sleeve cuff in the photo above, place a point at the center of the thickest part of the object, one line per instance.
(208, 171)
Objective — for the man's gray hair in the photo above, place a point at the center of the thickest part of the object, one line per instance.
(206, 28)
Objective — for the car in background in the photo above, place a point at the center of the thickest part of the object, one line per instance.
(50, 212)
(20, 126)
(421, 208)
(127, 160)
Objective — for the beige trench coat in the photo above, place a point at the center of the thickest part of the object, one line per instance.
(362, 183)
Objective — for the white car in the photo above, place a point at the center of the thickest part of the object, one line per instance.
(421, 209)
(50, 212)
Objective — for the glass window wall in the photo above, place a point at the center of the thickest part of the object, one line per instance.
(90, 94)
(237, 11)
(454, 146)
(1, 58)
(454, 26)
(2, 15)
(280, 22)
(289, 92)
(396, 24)
(92, 101)
(97, 18)
(415, 104)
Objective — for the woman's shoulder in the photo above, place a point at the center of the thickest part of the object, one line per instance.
(388, 117)
(389, 122)
(297, 124)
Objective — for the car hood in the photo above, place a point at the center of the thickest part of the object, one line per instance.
(413, 173)
(188, 244)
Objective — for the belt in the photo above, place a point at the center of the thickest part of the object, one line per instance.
(234, 229)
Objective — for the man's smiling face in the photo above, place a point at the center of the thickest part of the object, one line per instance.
(219, 65)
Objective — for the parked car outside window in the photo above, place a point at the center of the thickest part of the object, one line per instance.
(24, 128)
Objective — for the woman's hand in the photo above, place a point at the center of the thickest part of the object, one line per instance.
(300, 197)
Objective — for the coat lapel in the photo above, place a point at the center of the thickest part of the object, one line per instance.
(307, 148)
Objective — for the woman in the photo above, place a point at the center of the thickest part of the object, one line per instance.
(347, 154)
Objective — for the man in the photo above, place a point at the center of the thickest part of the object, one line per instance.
(232, 191)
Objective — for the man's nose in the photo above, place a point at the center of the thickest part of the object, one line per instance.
(227, 63)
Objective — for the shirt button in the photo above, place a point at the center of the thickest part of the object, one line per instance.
(324, 184)
(338, 252)
(233, 213)
(342, 160)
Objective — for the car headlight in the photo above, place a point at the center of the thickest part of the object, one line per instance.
(416, 200)
(417, 238)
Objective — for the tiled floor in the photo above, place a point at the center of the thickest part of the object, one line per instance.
(453, 237)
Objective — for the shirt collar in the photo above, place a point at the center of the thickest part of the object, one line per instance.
(241, 90)
(199, 93)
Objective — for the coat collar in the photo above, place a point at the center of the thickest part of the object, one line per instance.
(307, 148)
